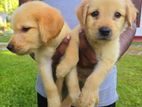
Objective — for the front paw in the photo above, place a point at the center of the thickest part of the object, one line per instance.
(88, 98)
(62, 70)
(54, 102)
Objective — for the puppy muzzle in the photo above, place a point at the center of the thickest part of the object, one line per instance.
(11, 48)
(104, 32)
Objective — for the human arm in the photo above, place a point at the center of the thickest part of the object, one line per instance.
(87, 57)
(126, 39)
(128, 35)
(138, 5)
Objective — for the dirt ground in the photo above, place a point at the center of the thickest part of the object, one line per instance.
(135, 49)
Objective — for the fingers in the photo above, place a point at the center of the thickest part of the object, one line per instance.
(126, 39)
(83, 41)
(87, 56)
(64, 44)
(61, 48)
(85, 62)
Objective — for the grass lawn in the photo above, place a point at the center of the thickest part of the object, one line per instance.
(18, 77)
(130, 81)
(17, 80)
(6, 36)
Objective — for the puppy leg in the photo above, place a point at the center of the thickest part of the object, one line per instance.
(70, 58)
(67, 102)
(73, 88)
(49, 84)
(73, 85)
(59, 84)
(90, 95)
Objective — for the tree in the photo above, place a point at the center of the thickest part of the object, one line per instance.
(8, 6)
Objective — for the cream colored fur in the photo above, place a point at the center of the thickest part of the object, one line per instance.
(113, 14)
(39, 29)
(107, 51)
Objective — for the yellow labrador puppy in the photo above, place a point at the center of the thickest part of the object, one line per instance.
(40, 28)
(103, 21)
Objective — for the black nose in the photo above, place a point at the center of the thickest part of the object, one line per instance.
(10, 47)
(105, 31)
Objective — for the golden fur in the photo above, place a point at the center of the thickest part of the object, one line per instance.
(45, 35)
(114, 15)
(39, 28)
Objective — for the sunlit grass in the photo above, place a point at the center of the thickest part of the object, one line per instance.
(4, 38)
(130, 81)
(18, 79)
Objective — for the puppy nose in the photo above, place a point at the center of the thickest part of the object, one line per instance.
(105, 31)
(10, 47)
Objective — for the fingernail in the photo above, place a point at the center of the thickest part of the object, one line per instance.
(80, 30)
(68, 37)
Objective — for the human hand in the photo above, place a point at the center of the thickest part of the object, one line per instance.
(126, 39)
(87, 56)
(60, 51)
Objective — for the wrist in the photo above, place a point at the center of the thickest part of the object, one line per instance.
(126, 38)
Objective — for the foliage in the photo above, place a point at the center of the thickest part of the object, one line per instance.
(5, 37)
(7, 6)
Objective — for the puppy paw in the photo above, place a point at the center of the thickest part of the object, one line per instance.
(88, 98)
(62, 70)
(74, 97)
(54, 102)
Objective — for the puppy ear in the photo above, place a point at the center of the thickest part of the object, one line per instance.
(82, 11)
(50, 24)
(131, 12)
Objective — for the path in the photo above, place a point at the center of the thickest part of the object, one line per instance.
(135, 50)
(3, 46)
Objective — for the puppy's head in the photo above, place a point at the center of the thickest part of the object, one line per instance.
(105, 19)
(35, 24)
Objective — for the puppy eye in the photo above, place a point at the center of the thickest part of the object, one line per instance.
(25, 29)
(117, 15)
(95, 13)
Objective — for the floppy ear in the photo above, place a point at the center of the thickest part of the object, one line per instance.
(82, 11)
(131, 12)
(50, 24)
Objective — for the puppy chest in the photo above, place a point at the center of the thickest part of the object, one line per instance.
(46, 52)
(106, 51)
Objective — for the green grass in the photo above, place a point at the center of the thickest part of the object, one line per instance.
(136, 43)
(130, 81)
(5, 37)
(17, 80)
(18, 77)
